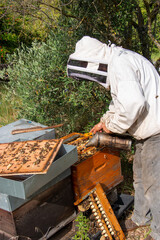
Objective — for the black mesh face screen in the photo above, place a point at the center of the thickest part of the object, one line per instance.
(103, 67)
(78, 63)
(83, 64)
(86, 75)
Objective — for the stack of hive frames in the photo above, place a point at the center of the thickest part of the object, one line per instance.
(104, 215)
(79, 140)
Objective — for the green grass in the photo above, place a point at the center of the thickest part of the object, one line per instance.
(8, 114)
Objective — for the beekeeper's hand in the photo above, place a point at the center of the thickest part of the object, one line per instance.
(105, 129)
(99, 127)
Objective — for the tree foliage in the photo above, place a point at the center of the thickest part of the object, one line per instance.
(130, 24)
(15, 29)
(38, 71)
(134, 24)
(38, 77)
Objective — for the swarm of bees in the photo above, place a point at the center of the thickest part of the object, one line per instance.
(27, 157)
(83, 151)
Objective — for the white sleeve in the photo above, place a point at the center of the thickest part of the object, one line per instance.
(129, 101)
(106, 118)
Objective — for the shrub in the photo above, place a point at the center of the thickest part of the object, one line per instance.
(7, 113)
(38, 77)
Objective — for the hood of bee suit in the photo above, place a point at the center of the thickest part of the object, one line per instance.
(90, 61)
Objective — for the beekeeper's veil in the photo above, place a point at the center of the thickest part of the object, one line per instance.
(90, 61)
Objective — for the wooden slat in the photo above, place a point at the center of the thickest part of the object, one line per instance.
(33, 129)
(7, 223)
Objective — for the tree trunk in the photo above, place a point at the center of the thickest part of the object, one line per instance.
(144, 40)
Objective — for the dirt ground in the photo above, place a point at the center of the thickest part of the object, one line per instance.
(139, 234)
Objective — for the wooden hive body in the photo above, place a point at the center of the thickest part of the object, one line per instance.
(49, 211)
(95, 165)
(104, 167)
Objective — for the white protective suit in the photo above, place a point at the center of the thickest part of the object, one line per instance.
(133, 82)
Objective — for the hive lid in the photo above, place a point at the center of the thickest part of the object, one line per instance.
(7, 136)
(28, 157)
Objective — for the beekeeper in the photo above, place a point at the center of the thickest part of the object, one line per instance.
(135, 109)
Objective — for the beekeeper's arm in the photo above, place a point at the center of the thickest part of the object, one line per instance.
(128, 101)
(101, 126)
(127, 95)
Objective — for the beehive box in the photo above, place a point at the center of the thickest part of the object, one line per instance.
(10, 203)
(25, 186)
(103, 167)
(95, 165)
(47, 212)
(45, 198)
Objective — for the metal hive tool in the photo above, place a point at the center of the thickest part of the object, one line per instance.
(104, 215)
